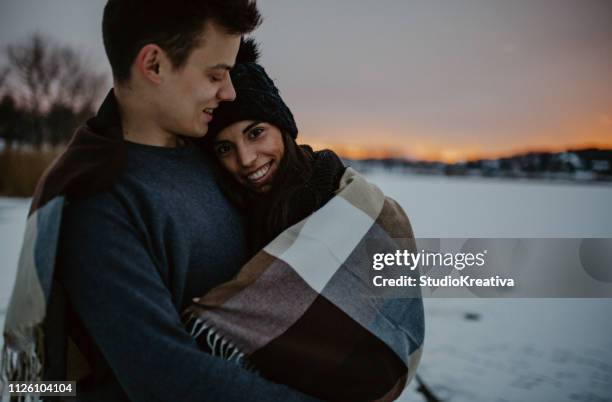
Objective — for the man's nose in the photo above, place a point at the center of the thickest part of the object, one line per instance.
(227, 91)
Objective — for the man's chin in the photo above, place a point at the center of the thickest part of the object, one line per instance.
(197, 133)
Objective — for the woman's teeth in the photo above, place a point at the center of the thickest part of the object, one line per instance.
(259, 173)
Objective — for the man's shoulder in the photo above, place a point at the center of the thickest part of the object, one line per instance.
(95, 226)
(101, 209)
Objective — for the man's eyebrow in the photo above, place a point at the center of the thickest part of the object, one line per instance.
(221, 66)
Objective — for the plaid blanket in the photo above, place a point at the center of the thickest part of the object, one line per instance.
(304, 312)
(37, 345)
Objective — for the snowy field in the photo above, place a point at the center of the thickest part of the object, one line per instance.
(480, 349)
(510, 349)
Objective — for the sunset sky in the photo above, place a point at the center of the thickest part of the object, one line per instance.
(427, 79)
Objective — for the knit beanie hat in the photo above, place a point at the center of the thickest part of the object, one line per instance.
(257, 98)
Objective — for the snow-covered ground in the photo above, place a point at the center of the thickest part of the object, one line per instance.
(510, 349)
(475, 207)
(480, 349)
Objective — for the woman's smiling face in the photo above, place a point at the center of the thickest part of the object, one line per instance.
(251, 151)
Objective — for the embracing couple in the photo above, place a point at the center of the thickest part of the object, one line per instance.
(185, 248)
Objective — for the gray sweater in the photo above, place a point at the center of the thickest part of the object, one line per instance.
(131, 259)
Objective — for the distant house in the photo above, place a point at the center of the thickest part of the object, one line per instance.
(600, 165)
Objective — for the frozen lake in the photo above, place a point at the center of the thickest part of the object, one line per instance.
(515, 350)
(480, 349)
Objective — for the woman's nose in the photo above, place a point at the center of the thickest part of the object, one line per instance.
(246, 156)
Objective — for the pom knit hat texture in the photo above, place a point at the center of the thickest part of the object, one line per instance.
(257, 98)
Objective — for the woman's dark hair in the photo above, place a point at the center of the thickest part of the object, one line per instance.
(175, 26)
(287, 202)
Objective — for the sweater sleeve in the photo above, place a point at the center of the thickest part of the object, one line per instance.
(119, 295)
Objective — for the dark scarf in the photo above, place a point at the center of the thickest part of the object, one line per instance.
(299, 197)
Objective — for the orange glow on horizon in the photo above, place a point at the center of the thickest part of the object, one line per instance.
(450, 154)
(450, 147)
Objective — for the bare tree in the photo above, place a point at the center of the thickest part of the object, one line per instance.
(10, 121)
(76, 87)
(46, 77)
(4, 72)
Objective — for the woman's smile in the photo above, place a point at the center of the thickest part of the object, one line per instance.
(260, 173)
(261, 179)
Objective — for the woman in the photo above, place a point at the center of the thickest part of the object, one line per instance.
(263, 171)
(302, 311)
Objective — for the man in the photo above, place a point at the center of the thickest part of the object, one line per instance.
(144, 228)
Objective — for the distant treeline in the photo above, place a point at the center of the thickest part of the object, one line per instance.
(46, 91)
(576, 165)
(20, 126)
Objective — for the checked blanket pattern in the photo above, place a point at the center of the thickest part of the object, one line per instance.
(304, 311)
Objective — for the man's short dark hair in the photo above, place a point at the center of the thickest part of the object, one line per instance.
(175, 26)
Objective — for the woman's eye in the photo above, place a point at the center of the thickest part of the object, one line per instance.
(222, 149)
(256, 132)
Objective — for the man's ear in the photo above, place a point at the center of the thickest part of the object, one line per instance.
(149, 62)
